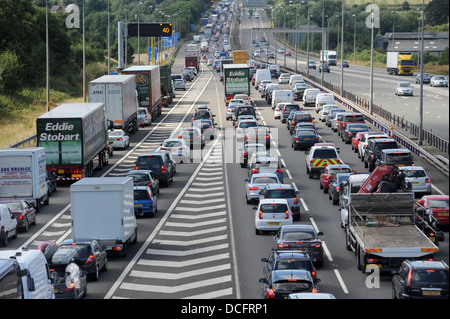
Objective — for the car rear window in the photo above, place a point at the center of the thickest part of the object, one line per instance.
(246, 124)
(427, 277)
(82, 249)
(290, 107)
(280, 193)
(298, 236)
(398, 157)
(335, 171)
(441, 203)
(292, 264)
(245, 110)
(414, 173)
(140, 177)
(292, 286)
(303, 118)
(353, 118)
(172, 144)
(14, 206)
(385, 146)
(141, 195)
(305, 133)
(264, 180)
(150, 161)
(326, 153)
(273, 208)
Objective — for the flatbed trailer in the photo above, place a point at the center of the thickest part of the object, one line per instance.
(381, 230)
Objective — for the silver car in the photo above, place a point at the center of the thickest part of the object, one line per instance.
(256, 183)
(403, 88)
(179, 84)
(439, 80)
(242, 126)
(248, 150)
(285, 191)
(418, 178)
(266, 164)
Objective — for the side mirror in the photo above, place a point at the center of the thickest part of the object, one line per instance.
(306, 152)
(320, 233)
(264, 260)
(262, 280)
(254, 208)
(246, 180)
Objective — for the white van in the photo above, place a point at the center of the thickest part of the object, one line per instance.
(262, 74)
(309, 97)
(8, 225)
(34, 271)
(322, 99)
(279, 96)
(295, 77)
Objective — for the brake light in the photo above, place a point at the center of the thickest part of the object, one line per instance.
(70, 287)
(163, 148)
(260, 214)
(284, 245)
(315, 245)
(427, 180)
(295, 201)
(90, 259)
(279, 170)
(287, 215)
(163, 169)
(120, 139)
(270, 293)
(150, 184)
(255, 170)
(409, 279)
(254, 188)
(297, 139)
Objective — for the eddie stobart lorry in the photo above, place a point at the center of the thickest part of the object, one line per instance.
(236, 80)
(74, 136)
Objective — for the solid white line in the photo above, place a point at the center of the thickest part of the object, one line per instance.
(304, 205)
(341, 281)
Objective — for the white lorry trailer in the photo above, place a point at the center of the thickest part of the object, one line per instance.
(23, 175)
(118, 93)
(381, 230)
(102, 208)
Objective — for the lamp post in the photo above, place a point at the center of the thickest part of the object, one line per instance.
(421, 79)
(393, 30)
(323, 41)
(354, 40)
(341, 90)
(47, 60)
(371, 60)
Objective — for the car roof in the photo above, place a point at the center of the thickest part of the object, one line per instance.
(273, 201)
(338, 166)
(411, 168)
(294, 228)
(277, 186)
(427, 264)
(396, 150)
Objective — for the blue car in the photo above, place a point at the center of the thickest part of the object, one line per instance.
(304, 138)
(144, 201)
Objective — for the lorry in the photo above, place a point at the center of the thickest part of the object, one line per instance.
(167, 91)
(331, 57)
(102, 208)
(75, 139)
(196, 38)
(236, 80)
(240, 56)
(380, 227)
(118, 94)
(399, 63)
(149, 83)
(191, 59)
(204, 46)
(23, 175)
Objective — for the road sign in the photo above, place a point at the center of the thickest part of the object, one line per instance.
(159, 29)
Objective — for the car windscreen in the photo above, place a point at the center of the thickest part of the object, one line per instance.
(273, 208)
(280, 193)
(141, 195)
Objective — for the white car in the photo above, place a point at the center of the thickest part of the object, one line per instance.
(419, 179)
(144, 117)
(439, 80)
(325, 109)
(271, 214)
(8, 225)
(119, 139)
(256, 183)
(179, 85)
(284, 78)
(242, 126)
(403, 88)
(178, 148)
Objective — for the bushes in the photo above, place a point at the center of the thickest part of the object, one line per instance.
(10, 70)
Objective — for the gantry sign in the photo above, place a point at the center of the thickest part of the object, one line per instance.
(159, 29)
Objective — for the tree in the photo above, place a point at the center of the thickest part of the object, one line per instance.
(436, 12)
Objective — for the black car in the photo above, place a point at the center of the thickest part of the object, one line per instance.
(288, 259)
(243, 110)
(420, 279)
(281, 283)
(297, 118)
(91, 256)
(326, 67)
(345, 64)
(69, 281)
(335, 186)
(374, 148)
(351, 130)
(157, 163)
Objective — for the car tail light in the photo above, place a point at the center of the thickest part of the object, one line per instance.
(119, 139)
(245, 154)
(90, 259)
(314, 291)
(427, 180)
(70, 287)
(163, 148)
(284, 245)
(179, 136)
(149, 184)
(254, 188)
(255, 170)
(286, 215)
(297, 139)
(295, 201)
(267, 136)
(2, 229)
(315, 245)
(270, 293)
(409, 278)
(163, 169)
(260, 215)
(279, 170)
(314, 274)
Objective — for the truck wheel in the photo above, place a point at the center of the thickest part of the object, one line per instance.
(347, 240)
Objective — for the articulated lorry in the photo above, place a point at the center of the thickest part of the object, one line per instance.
(74, 136)
(118, 94)
(148, 86)
(23, 175)
(192, 59)
(236, 80)
(400, 63)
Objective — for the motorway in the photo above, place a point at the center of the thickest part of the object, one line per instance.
(357, 80)
(202, 242)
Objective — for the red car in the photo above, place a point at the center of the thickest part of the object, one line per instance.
(24, 213)
(349, 117)
(288, 53)
(438, 204)
(328, 174)
(356, 139)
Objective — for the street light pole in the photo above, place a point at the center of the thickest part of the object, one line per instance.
(323, 40)
(342, 51)
(354, 40)
(47, 59)
(371, 61)
(421, 80)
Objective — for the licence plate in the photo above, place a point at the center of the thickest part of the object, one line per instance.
(273, 223)
(307, 139)
(300, 249)
(111, 140)
(415, 183)
(137, 205)
(433, 239)
(399, 165)
(442, 214)
(431, 292)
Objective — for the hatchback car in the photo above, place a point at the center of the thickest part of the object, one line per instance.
(420, 279)
(144, 201)
(192, 136)
(144, 117)
(284, 78)
(266, 164)
(312, 64)
(303, 138)
(145, 178)
(418, 178)
(259, 134)
(288, 259)
(22, 211)
(178, 148)
(247, 151)
(426, 78)
(282, 283)
(119, 139)
(329, 173)
(157, 163)
(271, 214)
(351, 130)
(242, 126)
(285, 191)
(91, 256)
(403, 88)
(439, 80)
(301, 238)
(326, 67)
(438, 204)
(299, 90)
(207, 128)
(179, 84)
(256, 183)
